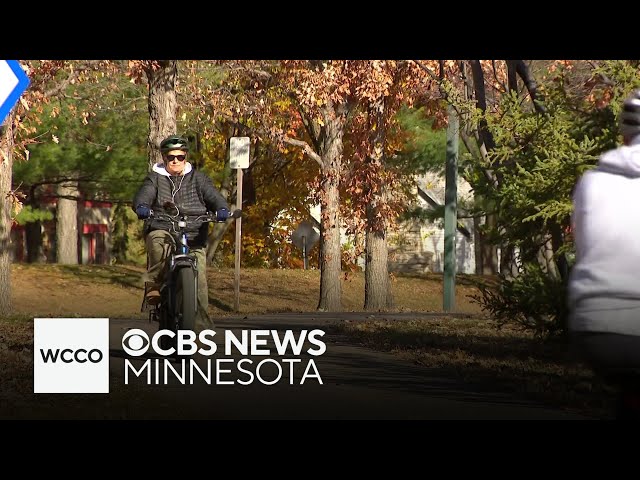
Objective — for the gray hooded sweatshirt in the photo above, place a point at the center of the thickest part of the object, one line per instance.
(604, 284)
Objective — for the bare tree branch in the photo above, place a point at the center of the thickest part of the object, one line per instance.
(481, 102)
(496, 76)
(512, 80)
(427, 69)
(306, 147)
(72, 76)
(525, 74)
(312, 128)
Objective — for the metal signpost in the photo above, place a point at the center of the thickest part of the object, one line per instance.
(238, 159)
(13, 82)
(451, 213)
(305, 237)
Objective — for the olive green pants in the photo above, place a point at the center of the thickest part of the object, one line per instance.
(159, 245)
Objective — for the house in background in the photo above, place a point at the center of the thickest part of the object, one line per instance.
(94, 224)
(418, 246)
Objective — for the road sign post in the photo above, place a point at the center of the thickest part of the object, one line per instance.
(238, 159)
(13, 82)
(305, 258)
(305, 237)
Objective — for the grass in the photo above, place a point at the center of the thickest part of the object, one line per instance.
(116, 291)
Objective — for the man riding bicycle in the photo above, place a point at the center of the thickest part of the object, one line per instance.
(175, 181)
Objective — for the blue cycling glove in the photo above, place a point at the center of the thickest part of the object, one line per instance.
(143, 211)
(222, 215)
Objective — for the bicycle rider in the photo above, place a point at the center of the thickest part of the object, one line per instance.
(192, 191)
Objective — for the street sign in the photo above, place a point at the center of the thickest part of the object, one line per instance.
(13, 82)
(305, 237)
(307, 231)
(239, 152)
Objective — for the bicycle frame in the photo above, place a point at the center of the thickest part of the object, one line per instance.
(178, 304)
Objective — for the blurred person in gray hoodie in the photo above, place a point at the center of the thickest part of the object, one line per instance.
(604, 283)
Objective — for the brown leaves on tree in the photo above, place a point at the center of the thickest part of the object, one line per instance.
(16, 199)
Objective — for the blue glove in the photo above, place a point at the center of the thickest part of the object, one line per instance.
(222, 215)
(143, 211)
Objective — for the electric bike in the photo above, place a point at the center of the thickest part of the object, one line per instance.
(178, 305)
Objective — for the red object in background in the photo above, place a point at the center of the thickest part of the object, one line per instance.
(95, 228)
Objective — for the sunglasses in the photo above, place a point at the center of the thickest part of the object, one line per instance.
(180, 158)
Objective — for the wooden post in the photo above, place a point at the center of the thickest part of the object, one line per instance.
(238, 159)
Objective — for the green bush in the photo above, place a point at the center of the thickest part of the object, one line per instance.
(534, 300)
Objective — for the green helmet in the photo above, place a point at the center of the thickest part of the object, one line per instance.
(174, 142)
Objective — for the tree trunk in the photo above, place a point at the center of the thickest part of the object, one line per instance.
(120, 233)
(546, 258)
(377, 287)
(512, 79)
(33, 233)
(331, 147)
(214, 239)
(6, 168)
(558, 243)
(477, 244)
(67, 224)
(490, 265)
(330, 248)
(219, 229)
(162, 104)
(327, 139)
(508, 262)
(486, 138)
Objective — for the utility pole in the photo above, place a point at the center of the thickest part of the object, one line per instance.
(450, 212)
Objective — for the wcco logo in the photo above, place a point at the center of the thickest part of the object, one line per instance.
(71, 355)
(68, 356)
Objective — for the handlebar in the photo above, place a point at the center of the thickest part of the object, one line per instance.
(204, 218)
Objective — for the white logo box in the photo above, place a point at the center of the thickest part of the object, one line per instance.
(71, 355)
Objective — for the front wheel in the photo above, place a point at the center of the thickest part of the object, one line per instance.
(165, 322)
(186, 299)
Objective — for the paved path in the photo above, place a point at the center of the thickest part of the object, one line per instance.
(357, 382)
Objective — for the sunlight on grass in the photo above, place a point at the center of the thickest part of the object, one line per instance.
(116, 291)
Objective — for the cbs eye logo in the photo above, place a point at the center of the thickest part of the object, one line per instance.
(135, 342)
